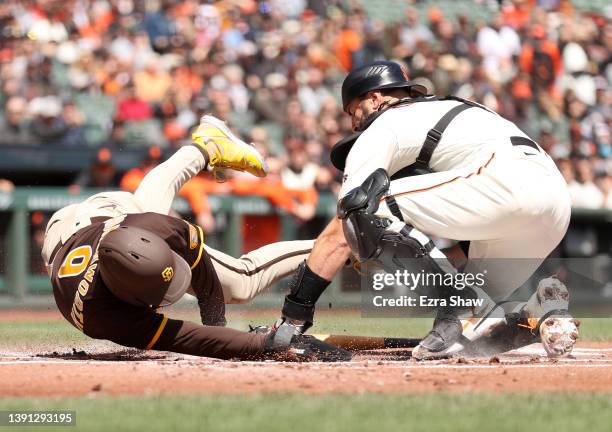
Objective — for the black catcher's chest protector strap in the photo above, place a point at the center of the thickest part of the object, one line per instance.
(341, 149)
(432, 140)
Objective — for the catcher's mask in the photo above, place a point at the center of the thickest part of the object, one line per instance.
(380, 75)
(139, 268)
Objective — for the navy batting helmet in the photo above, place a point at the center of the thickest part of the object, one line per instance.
(379, 75)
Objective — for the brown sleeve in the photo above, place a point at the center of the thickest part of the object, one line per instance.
(208, 290)
(219, 342)
(143, 328)
(204, 280)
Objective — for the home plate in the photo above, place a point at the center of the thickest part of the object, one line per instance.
(536, 349)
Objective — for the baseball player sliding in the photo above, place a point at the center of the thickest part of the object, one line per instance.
(420, 166)
(117, 257)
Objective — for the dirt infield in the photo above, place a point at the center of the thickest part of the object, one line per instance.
(135, 372)
(98, 367)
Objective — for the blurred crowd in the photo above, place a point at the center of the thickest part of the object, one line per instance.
(119, 74)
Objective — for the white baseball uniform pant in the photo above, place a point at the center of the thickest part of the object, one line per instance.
(514, 209)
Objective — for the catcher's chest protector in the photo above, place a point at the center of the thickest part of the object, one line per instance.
(342, 148)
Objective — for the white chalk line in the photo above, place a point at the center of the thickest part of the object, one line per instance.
(512, 359)
(498, 366)
(536, 349)
(356, 366)
(82, 362)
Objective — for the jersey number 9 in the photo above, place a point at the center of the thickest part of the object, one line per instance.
(75, 262)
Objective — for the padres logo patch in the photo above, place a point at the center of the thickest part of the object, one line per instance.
(193, 237)
(167, 274)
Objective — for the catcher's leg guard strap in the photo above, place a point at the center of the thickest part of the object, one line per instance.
(393, 207)
(398, 251)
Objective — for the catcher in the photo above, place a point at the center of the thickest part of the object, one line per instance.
(117, 257)
(420, 165)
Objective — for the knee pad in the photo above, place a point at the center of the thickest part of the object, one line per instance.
(367, 196)
(363, 233)
(372, 242)
(356, 209)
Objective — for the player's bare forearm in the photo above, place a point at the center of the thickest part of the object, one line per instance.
(330, 251)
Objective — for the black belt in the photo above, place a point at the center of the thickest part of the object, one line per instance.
(522, 141)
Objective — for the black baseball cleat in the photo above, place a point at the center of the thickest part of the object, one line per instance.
(446, 331)
(456, 328)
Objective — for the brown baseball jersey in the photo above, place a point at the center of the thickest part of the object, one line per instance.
(89, 305)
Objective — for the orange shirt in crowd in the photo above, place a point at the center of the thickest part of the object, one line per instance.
(131, 179)
(275, 192)
(347, 43)
(548, 47)
(518, 14)
(97, 25)
(151, 86)
(186, 79)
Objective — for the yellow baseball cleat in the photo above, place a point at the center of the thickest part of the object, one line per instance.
(226, 150)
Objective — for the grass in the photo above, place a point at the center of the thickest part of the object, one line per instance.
(427, 412)
(343, 322)
(596, 329)
(29, 336)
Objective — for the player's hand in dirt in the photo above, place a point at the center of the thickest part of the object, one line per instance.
(300, 348)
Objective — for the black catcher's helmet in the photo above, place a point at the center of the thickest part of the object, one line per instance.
(139, 267)
(377, 76)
